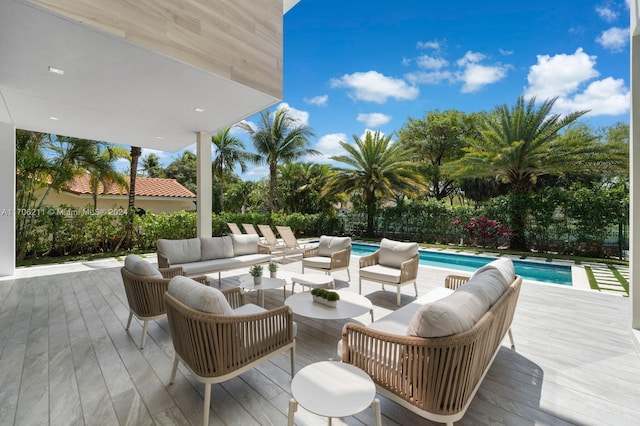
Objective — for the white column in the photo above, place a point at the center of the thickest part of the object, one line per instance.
(7, 199)
(634, 146)
(203, 181)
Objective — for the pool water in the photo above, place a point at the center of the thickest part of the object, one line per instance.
(555, 274)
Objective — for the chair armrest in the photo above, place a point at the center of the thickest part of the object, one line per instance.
(264, 249)
(369, 260)
(340, 259)
(309, 252)
(235, 296)
(171, 272)
(409, 269)
(455, 281)
(163, 261)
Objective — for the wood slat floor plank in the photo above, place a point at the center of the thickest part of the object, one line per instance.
(65, 358)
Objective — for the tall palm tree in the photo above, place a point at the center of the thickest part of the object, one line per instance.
(229, 152)
(376, 170)
(519, 144)
(152, 167)
(102, 171)
(127, 239)
(279, 139)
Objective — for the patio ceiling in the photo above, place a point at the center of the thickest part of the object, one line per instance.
(111, 89)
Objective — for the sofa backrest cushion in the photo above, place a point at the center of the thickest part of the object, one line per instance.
(504, 266)
(216, 248)
(244, 244)
(199, 296)
(461, 310)
(394, 253)
(180, 251)
(137, 265)
(329, 245)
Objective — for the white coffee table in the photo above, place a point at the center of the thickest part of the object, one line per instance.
(333, 389)
(246, 282)
(350, 305)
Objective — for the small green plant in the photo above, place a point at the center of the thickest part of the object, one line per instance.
(325, 294)
(273, 266)
(255, 271)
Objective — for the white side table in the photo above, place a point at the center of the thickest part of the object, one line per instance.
(246, 282)
(333, 389)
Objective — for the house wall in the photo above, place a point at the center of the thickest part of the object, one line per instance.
(634, 142)
(240, 40)
(8, 198)
(118, 205)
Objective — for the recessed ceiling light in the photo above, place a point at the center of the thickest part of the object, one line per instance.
(53, 118)
(158, 137)
(196, 109)
(55, 70)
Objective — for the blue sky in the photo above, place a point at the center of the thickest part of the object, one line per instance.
(350, 66)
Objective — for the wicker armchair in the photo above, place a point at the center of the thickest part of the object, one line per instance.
(400, 272)
(216, 348)
(144, 295)
(331, 254)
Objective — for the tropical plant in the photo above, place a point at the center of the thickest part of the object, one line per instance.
(300, 187)
(256, 271)
(184, 169)
(127, 239)
(376, 169)
(279, 139)
(151, 166)
(102, 172)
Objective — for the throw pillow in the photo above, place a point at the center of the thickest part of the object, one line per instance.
(329, 245)
(216, 247)
(244, 244)
(180, 251)
(394, 253)
(137, 265)
(199, 296)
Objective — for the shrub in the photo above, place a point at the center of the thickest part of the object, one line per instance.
(486, 232)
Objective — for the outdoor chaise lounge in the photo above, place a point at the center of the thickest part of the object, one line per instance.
(394, 263)
(330, 255)
(144, 285)
(290, 241)
(235, 229)
(217, 336)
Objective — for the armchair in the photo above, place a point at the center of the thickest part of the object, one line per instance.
(331, 254)
(395, 263)
(217, 336)
(144, 285)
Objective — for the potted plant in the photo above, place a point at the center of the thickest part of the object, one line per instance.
(325, 297)
(256, 273)
(273, 269)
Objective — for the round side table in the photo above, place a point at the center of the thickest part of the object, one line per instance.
(333, 389)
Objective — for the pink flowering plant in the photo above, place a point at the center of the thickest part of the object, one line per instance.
(486, 232)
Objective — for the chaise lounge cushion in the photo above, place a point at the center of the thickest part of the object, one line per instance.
(199, 296)
(180, 251)
(244, 244)
(329, 245)
(459, 311)
(216, 248)
(137, 265)
(394, 253)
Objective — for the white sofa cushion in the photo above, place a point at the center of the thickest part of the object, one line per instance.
(244, 244)
(506, 268)
(394, 253)
(180, 251)
(137, 265)
(329, 245)
(216, 248)
(461, 310)
(381, 273)
(199, 296)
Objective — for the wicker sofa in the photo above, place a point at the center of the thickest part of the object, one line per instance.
(203, 255)
(430, 356)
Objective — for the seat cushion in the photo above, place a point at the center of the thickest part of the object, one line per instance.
(137, 265)
(329, 245)
(244, 244)
(394, 253)
(318, 262)
(180, 251)
(216, 248)
(199, 296)
(381, 273)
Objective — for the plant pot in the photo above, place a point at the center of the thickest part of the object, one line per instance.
(257, 280)
(323, 301)
(273, 274)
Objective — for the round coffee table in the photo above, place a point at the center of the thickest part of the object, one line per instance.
(333, 389)
(246, 282)
(350, 305)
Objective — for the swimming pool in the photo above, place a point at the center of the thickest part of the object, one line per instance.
(555, 274)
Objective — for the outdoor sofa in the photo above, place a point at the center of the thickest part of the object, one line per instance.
(212, 254)
(430, 356)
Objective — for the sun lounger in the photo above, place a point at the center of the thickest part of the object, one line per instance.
(234, 228)
(291, 243)
(270, 237)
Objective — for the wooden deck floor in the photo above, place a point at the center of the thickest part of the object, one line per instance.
(65, 359)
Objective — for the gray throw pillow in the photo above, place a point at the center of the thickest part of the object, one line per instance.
(216, 248)
(199, 296)
(329, 245)
(137, 265)
(244, 244)
(394, 253)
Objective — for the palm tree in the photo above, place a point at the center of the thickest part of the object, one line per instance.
(102, 172)
(136, 151)
(152, 167)
(280, 139)
(519, 144)
(376, 170)
(229, 152)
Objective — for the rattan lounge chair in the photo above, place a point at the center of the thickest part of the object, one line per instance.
(330, 255)
(218, 347)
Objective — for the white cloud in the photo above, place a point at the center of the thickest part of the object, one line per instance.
(505, 52)
(300, 117)
(431, 62)
(157, 152)
(475, 75)
(257, 172)
(428, 45)
(374, 119)
(373, 132)
(318, 100)
(431, 77)
(606, 14)
(470, 58)
(608, 96)
(560, 75)
(371, 86)
(614, 38)
(329, 145)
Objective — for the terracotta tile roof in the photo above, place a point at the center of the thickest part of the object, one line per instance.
(145, 187)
